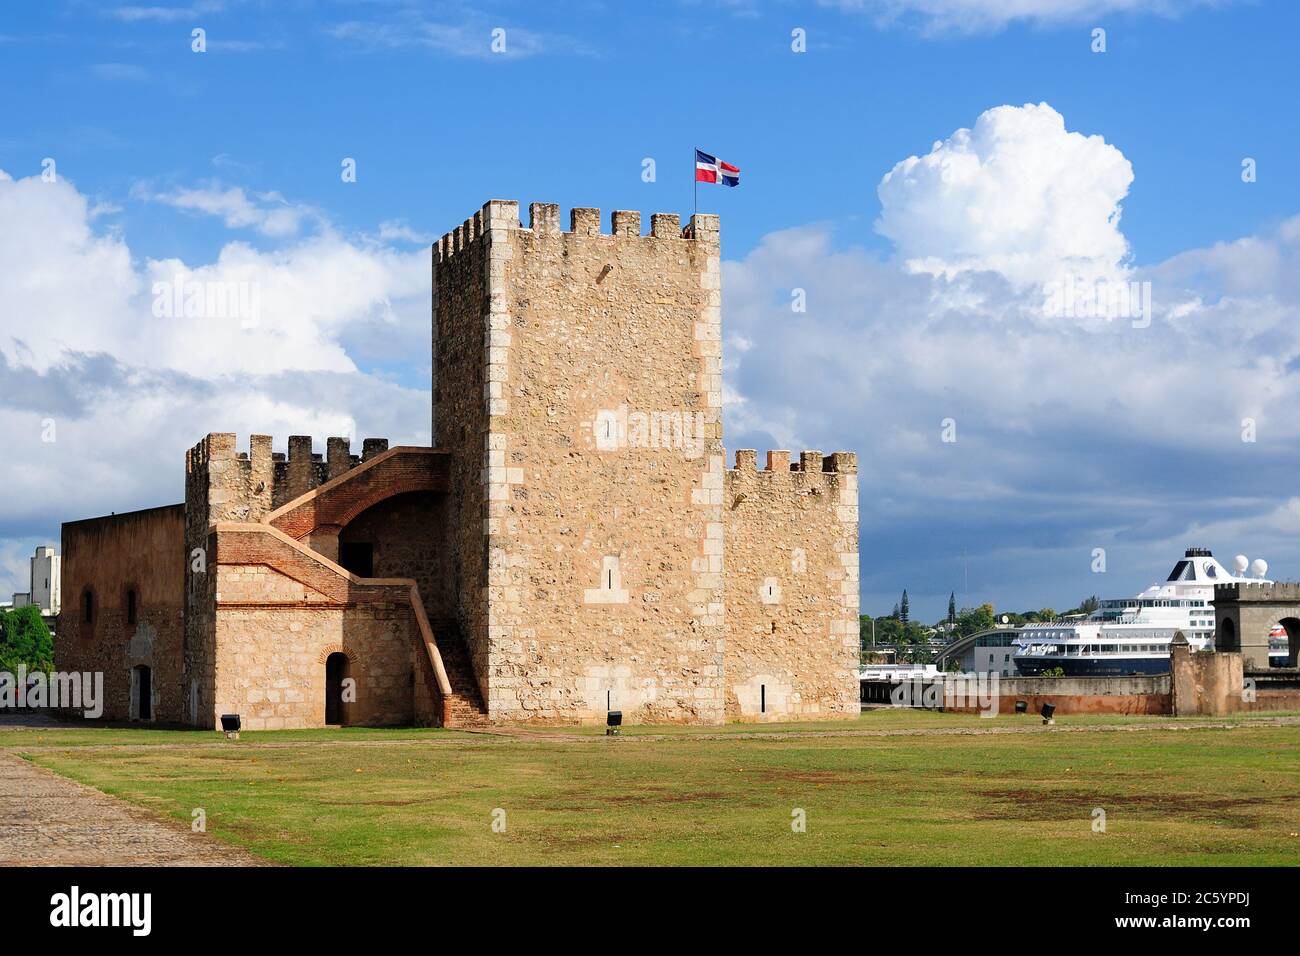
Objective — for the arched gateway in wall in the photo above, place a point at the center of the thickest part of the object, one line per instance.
(1245, 613)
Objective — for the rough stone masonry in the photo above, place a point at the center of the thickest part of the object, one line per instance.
(573, 542)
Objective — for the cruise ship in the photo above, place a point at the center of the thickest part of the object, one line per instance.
(1278, 646)
(1131, 635)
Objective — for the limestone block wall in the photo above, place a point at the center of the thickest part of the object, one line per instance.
(462, 324)
(599, 412)
(140, 552)
(408, 534)
(281, 610)
(271, 661)
(224, 484)
(792, 586)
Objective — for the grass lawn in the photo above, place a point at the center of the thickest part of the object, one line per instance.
(1197, 795)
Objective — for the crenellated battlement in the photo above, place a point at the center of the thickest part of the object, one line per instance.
(544, 220)
(810, 462)
(1250, 592)
(833, 478)
(233, 485)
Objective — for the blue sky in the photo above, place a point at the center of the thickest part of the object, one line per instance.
(1072, 435)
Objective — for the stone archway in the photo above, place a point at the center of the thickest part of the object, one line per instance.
(1292, 627)
(1225, 636)
(1244, 613)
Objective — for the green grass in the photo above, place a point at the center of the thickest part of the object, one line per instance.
(1199, 795)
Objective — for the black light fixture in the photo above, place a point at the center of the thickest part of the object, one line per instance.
(613, 721)
(1022, 707)
(231, 723)
(1047, 711)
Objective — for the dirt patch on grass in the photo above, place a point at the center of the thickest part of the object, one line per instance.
(374, 803)
(1069, 805)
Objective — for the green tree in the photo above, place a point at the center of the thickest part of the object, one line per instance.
(889, 630)
(903, 608)
(25, 640)
(952, 608)
(972, 620)
(1089, 604)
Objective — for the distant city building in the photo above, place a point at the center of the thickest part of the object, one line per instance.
(44, 591)
(43, 586)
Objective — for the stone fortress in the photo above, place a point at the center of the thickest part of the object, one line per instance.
(573, 542)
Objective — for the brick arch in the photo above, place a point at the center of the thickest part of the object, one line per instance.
(336, 649)
(334, 504)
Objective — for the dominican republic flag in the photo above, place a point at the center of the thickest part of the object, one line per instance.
(710, 169)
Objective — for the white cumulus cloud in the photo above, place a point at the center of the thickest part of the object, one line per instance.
(104, 383)
(1016, 194)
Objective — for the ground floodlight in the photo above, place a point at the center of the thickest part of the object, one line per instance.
(613, 721)
(1022, 707)
(231, 723)
(1047, 711)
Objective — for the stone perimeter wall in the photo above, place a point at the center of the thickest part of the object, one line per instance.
(1079, 695)
(792, 586)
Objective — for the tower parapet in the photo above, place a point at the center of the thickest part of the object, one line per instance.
(223, 484)
(544, 220)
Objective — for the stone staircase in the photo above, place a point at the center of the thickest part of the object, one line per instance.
(465, 705)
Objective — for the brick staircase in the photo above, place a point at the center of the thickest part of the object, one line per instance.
(465, 704)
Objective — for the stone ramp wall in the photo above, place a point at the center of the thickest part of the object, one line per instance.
(282, 609)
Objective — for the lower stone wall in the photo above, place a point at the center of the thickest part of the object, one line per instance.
(1272, 700)
(1079, 695)
(282, 610)
(271, 664)
(791, 585)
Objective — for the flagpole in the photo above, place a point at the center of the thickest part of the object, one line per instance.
(695, 177)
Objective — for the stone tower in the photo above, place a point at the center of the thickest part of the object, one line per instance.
(578, 390)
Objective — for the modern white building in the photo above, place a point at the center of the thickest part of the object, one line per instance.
(44, 591)
(43, 584)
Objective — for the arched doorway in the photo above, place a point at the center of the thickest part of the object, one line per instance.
(336, 671)
(1289, 645)
(1226, 637)
(141, 692)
